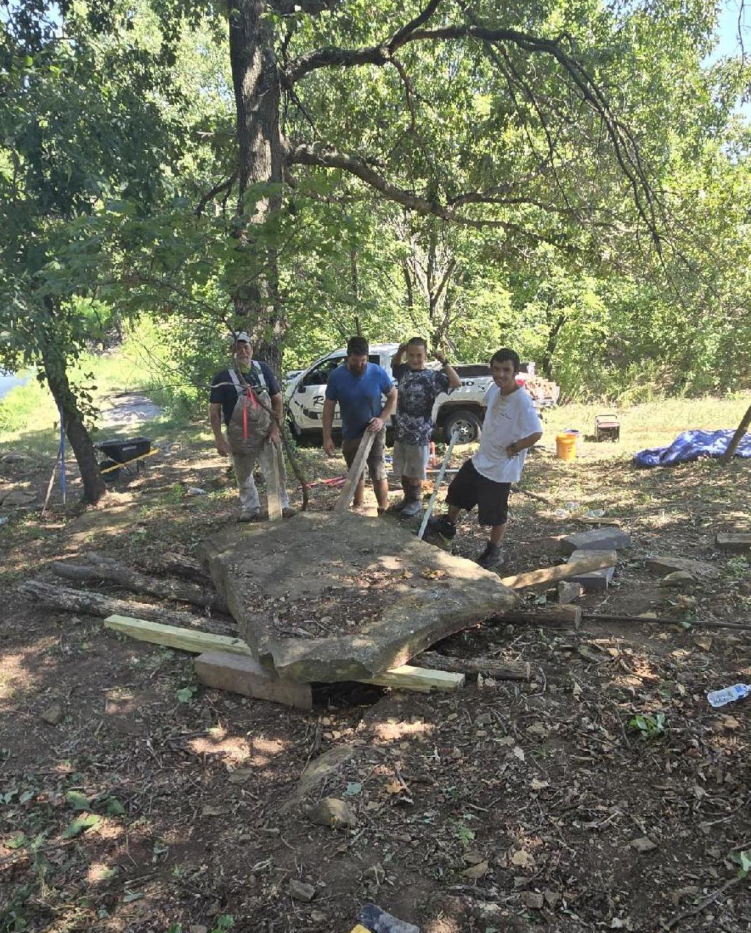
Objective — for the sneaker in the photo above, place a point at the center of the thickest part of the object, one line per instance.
(288, 512)
(248, 515)
(412, 509)
(443, 527)
(491, 558)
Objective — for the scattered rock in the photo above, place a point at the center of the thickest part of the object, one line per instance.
(475, 871)
(551, 898)
(195, 491)
(198, 928)
(14, 457)
(596, 581)
(678, 579)
(568, 591)
(375, 873)
(533, 900)
(301, 891)
(18, 499)
(703, 641)
(54, 714)
(333, 813)
(596, 539)
(317, 916)
(643, 844)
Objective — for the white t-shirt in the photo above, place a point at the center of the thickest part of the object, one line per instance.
(508, 418)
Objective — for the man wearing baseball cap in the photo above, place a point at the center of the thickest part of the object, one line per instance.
(243, 397)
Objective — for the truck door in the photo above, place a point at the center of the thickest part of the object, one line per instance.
(306, 402)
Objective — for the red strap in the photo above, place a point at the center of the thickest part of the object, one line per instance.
(245, 417)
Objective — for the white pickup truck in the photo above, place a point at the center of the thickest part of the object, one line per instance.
(460, 410)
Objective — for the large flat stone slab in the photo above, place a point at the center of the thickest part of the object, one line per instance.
(325, 597)
(666, 565)
(596, 539)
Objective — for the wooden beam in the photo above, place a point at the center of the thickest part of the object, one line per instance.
(245, 675)
(355, 472)
(171, 636)
(273, 486)
(733, 542)
(554, 574)
(405, 677)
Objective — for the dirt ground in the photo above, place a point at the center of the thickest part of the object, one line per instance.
(151, 804)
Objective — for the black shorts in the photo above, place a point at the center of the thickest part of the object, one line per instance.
(469, 489)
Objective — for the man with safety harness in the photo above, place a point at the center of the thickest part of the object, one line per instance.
(247, 398)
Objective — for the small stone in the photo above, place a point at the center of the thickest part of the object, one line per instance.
(333, 813)
(198, 928)
(472, 858)
(568, 591)
(533, 900)
(301, 891)
(475, 871)
(643, 844)
(317, 916)
(703, 642)
(667, 565)
(678, 579)
(54, 714)
(551, 898)
(375, 873)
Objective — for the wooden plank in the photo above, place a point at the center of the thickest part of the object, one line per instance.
(245, 675)
(173, 637)
(273, 486)
(554, 574)
(500, 670)
(407, 677)
(733, 542)
(355, 472)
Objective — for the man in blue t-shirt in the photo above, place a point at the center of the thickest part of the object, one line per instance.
(358, 387)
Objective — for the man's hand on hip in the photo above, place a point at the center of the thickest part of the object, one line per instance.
(376, 425)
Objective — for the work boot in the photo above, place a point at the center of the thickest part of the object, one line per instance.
(397, 506)
(248, 515)
(412, 508)
(443, 527)
(492, 557)
(288, 512)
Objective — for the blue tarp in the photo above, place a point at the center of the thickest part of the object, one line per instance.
(691, 445)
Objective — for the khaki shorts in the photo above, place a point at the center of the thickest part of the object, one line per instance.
(376, 464)
(410, 461)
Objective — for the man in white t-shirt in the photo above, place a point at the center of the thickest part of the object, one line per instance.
(510, 428)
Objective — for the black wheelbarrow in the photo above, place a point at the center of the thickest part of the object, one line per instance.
(122, 455)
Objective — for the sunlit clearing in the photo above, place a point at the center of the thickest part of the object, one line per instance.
(391, 730)
(235, 750)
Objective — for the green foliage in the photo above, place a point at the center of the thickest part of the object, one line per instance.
(649, 726)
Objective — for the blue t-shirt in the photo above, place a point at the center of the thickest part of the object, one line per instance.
(359, 397)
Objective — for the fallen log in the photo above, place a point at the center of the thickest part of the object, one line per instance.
(107, 570)
(565, 613)
(96, 604)
(500, 670)
(554, 574)
(176, 565)
(666, 620)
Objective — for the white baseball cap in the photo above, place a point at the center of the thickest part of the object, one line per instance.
(242, 336)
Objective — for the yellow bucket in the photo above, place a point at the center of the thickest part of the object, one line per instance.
(565, 446)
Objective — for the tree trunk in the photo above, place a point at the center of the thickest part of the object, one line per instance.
(255, 78)
(75, 430)
(737, 437)
(553, 334)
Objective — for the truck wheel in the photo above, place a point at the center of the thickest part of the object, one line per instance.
(466, 422)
